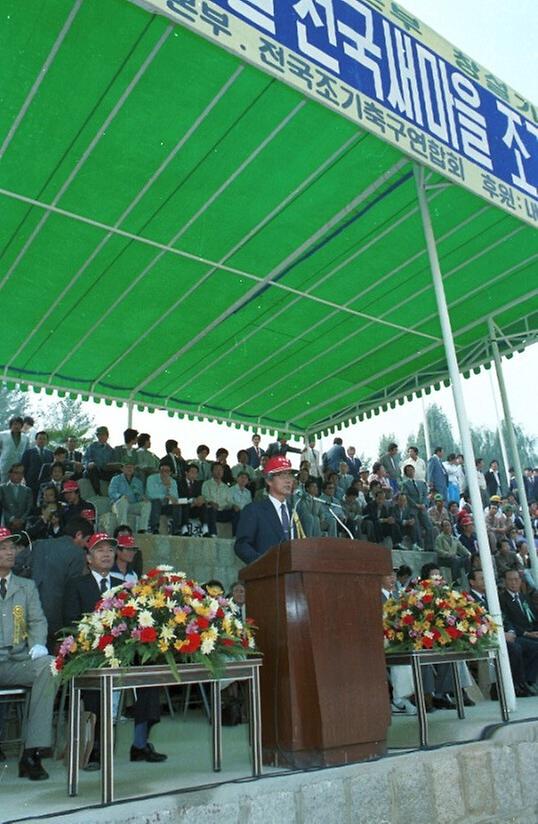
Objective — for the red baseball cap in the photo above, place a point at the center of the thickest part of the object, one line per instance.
(278, 463)
(126, 542)
(70, 486)
(100, 538)
(7, 535)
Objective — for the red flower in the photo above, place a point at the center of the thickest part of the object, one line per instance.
(227, 642)
(194, 643)
(147, 635)
(128, 612)
(244, 642)
(453, 632)
(408, 619)
(202, 622)
(427, 599)
(436, 634)
(59, 663)
(104, 641)
(427, 642)
(220, 612)
(429, 616)
(199, 595)
(153, 573)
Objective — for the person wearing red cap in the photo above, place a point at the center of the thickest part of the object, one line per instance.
(268, 522)
(24, 658)
(126, 550)
(83, 595)
(75, 505)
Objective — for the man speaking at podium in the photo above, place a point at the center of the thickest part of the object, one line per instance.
(266, 523)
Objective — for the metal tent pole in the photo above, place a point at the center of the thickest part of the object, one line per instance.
(502, 442)
(467, 447)
(426, 428)
(130, 415)
(516, 463)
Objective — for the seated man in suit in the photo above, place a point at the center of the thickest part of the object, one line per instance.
(82, 597)
(191, 489)
(16, 499)
(24, 658)
(268, 522)
(516, 608)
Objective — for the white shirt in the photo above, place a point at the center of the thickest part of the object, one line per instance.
(278, 507)
(98, 577)
(419, 466)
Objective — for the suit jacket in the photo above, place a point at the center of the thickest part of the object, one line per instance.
(259, 529)
(180, 465)
(278, 448)
(493, 487)
(253, 457)
(74, 456)
(354, 466)
(82, 596)
(185, 492)
(333, 457)
(437, 476)
(32, 461)
(16, 504)
(392, 469)
(415, 494)
(53, 564)
(513, 615)
(22, 621)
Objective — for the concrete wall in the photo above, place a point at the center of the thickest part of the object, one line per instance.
(489, 782)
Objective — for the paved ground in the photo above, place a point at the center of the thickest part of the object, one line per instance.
(187, 742)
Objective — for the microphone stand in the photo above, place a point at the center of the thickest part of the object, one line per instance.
(335, 516)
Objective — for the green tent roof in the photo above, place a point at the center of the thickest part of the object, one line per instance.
(182, 231)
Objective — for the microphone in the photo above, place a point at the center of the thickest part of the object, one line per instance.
(335, 516)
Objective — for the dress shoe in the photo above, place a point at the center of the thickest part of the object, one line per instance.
(522, 691)
(147, 753)
(30, 766)
(443, 702)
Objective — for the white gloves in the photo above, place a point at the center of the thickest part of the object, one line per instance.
(38, 651)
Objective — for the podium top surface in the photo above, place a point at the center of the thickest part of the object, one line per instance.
(321, 555)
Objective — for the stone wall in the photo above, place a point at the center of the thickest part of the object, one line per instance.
(488, 782)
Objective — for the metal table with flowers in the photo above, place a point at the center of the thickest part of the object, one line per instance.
(108, 679)
(162, 630)
(429, 624)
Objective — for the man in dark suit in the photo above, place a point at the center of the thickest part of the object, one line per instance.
(174, 460)
(521, 629)
(16, 499)
(52, 564)
(268, 522)
(255, 452)
(516, 608)
(82, 597)
(493, 479)
(282, 447)
(33, 459)
(417, 501)
(191, 488)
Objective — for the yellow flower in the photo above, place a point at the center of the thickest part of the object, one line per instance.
(158, 600)
(180, 618)
(163, 646)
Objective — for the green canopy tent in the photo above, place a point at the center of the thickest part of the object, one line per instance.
(183, 231)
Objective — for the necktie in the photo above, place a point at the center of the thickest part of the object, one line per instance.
(3, 587)
(416, 487)
(285, 520)
(103, 586)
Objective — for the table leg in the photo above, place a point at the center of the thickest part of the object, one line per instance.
(500, 688)
(73, 742)
(216, 723)
(255, 721)
(421, 704)
(107, 742)
(457, 689)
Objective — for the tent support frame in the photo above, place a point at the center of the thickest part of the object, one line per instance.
(467, 447)
(516, 463)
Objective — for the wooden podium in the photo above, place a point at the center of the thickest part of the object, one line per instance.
(317, 603)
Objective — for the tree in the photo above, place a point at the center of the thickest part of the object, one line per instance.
(384, 442)
(440, 431)
(487, 445)
(66, 418)
(12, 402)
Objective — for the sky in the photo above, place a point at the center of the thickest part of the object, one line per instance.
(502, 36)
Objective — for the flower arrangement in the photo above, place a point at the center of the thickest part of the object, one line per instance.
(431, 615)
(164, 617)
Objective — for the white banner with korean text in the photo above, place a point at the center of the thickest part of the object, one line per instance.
(379, 66)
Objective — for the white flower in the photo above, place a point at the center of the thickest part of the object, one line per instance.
(165, 568)
(114, 663)
(167, 633)
(108, 617)
(145, 618)
(207, 646)
(108, 651)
